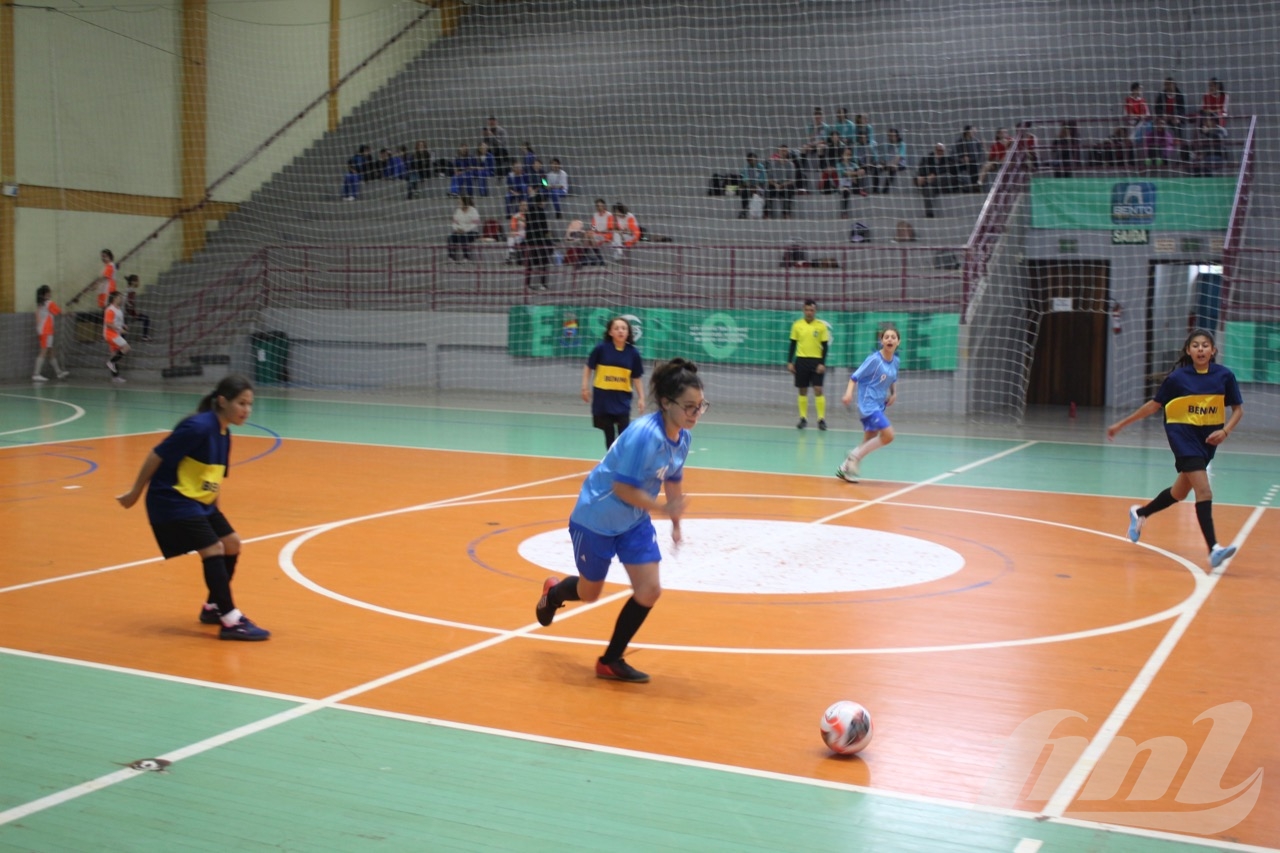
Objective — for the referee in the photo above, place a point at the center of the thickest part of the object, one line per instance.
(807, 360)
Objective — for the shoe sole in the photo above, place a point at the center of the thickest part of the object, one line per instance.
(848, 478)
(244, 638)
(611, 676)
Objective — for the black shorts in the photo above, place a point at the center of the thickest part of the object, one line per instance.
(604, 421)
(1187, 464)
(176, 538)
(807, 374)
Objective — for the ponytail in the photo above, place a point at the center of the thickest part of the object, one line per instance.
(671, 378)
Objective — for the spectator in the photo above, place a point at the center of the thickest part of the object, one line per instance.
(865, 155)
(497, 135)
(517, 229)
(517, 187)
(133, 316)
(602, 226)
(466, 227)
(815, 137)
(1161, 146)
(1116, 150)
(485, 168)
(851, 176)
(528, 155)
(464, 168)
(893, 158)
(1171, 106)
(829, 162)
(862, 126)
(538, 176)
(1065, 151)
(626, 230)
(501, 156)
(419, 167)
(557, 184)
(1214, 100)
(754, 181)
(1210, 145)
(1137, 114)
(967, 159)
(362, 161)
(783, 172)
(995, 155)
(397, 165)
(382, 166)
(844, 126)
(933, 177)
(537, 242)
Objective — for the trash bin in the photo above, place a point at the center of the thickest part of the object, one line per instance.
(270, 357)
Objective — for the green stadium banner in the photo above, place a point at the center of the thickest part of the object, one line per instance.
(1108, 204)
(1252, 351)
(929, 341)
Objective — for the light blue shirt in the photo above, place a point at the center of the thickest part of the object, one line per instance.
(875, 378)
(643, 457)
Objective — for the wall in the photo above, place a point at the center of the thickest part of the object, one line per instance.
(98, 106)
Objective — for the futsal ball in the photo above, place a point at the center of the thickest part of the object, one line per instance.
(846, 727)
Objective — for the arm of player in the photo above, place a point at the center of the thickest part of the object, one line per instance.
(791, 356)
(150, 466)
(638, 385)
(586, 384)
(893, 395)
(674, 491)
(847, 399)
(1219, 436)
(822, 365)
(1145, 410)
(672, 507)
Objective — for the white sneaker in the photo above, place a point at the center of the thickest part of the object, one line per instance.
(111, 367)
(1219, 555)
(36, 377)
(119, 380)
(1136, 523)
(63, 374)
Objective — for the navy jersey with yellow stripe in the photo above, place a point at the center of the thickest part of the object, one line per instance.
(615, 370)
(1195, 406)
(193, 462)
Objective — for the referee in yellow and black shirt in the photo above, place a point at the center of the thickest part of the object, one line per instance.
(807, 359)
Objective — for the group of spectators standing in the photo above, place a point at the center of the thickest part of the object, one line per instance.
(843, 157)
(1166, 132)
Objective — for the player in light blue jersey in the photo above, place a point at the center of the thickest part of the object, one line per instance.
(612, 516)
(876, 382)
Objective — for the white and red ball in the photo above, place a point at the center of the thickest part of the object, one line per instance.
(846, 727)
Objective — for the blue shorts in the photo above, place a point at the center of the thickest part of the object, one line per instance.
(875, 422)
(592, 552)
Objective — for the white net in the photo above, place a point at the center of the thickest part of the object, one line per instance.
(1045, 290)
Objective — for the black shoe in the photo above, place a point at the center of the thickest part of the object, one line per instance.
(545, 610)
(802, 423)
(209, 617)
(822, 424)
(243, 630)
(620, 670)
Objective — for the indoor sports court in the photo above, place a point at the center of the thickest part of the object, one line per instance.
(1036, 681)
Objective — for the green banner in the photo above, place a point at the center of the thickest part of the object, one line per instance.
(1252, 351)
(1108, 204)
(929, 341)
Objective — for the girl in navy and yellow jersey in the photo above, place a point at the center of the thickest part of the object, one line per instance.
(182, 478)
(1194, 397)
(618, 368)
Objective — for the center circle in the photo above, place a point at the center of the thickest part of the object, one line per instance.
(755, 556)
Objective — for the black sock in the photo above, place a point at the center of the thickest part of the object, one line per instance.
(1204, 515)
(215, 578)
(229, 561)
(629, 621)
(566, 590)
(115, 359)
(1164, 500)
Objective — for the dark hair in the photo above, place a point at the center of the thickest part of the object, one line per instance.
(1185, 360)
(631, 332)
(111, 298)
(672, 378)
(887, 326)
(131, 277)
(620, 208)
(109, 254)
(601, 201)
(231, 386)
(42, 294)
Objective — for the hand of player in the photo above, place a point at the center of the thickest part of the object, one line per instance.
(791, 368)
(676, 536)
(127, 500)
(1112, 432)
(674, 508)
(847, 399)
(586, 395)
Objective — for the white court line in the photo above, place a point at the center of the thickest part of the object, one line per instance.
(77, 413)
(1071, 784)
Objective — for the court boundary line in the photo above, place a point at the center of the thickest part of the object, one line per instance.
(1076, 777)
(305, 707)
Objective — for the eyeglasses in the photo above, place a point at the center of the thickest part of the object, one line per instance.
(694, 409)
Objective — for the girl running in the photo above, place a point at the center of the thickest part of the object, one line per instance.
(1194, 396)
(618, 369)
(113, 330)
(614, 507)
(46, 310)
(182, 477)
(876, 382)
